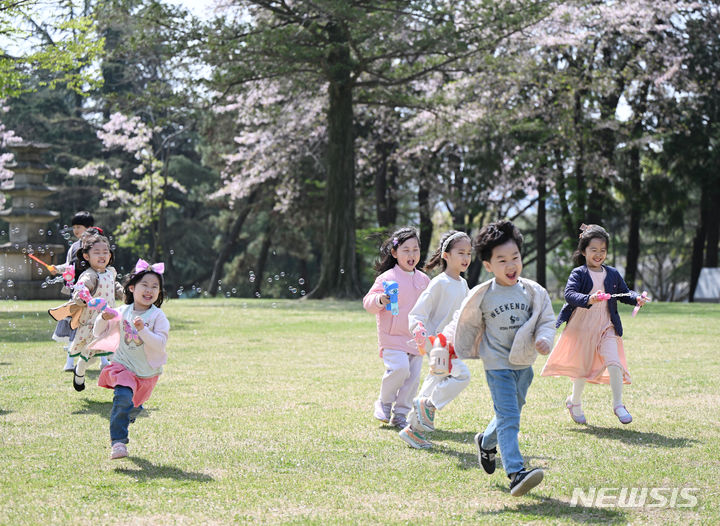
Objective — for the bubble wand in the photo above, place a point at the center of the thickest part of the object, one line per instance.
(51, 268)
(603, 296)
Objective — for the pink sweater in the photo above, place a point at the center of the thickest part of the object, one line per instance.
(394, 331)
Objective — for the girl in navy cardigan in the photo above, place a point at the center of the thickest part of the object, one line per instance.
(590, 349)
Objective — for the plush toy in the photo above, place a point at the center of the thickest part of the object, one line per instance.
(392, 289)
(420, 335)
(439, 356)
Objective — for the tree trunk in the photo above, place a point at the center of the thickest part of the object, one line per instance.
(541, 236)
(565, 212)
(381, 185)
(229, 244)
(713, 222)
(426, 225)
(385, 184)
(262, 259)
(580, 185)
(473, 272)
(635, 202)
(696, 263)
(338, 271)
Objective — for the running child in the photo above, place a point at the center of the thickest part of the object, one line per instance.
(434, 309)
(403, 362)
(80, 222)
(96, 276)
(138, 340)
(590, 349)
(505, 322)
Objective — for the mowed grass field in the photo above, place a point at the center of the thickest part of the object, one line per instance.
(264, 416)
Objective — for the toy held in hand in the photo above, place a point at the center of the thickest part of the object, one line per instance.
(440, 356)
(69, 274)
(603, 296)
(420, 335)
(637, 307)
(392, 289)
(100, 305)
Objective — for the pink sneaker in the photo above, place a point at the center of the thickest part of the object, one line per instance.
(119, 450)
(578, 419)
(622, 414)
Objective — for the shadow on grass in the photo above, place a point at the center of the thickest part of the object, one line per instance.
(148, 470)
(94, 407)
(549, 507)
(631, 436)
(3, 412)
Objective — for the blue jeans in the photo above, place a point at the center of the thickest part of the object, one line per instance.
(123, 414)
(508, 388)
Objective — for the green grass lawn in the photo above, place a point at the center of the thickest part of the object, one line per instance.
(264, 415)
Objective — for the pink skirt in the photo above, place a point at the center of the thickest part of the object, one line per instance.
(586, 347)
(116, 374)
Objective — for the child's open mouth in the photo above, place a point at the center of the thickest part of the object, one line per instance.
(511, 277)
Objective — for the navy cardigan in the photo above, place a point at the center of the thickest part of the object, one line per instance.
(579, 289)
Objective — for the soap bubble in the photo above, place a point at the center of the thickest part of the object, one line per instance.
(301, 281)
(252, 278)
(10, 283)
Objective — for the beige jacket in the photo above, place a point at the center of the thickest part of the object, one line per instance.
(466, 330)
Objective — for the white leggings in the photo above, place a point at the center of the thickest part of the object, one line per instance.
(401, 379)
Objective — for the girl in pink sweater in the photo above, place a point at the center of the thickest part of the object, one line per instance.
(398, 257)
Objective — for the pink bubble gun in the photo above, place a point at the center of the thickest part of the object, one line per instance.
(69, 274)
(98, 304)
(603, 296)
(637, 307)
(420, 334)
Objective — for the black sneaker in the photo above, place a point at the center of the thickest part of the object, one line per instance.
(486, 457)
(525, 481)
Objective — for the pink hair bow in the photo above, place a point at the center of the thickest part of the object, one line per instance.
(144, 265)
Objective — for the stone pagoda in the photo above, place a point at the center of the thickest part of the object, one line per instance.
(27, 218)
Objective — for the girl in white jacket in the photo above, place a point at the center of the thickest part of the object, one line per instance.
(434, 309)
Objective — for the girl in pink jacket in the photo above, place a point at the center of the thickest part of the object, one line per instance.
(403, 362)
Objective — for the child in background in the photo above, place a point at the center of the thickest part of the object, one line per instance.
(590, 349)
(505, 321)
(139, 349)
(80, 222)
(95, 273)
(398, 257)
(435, 309)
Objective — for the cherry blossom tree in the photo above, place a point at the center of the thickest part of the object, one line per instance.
(137, 185)
(356, 50)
